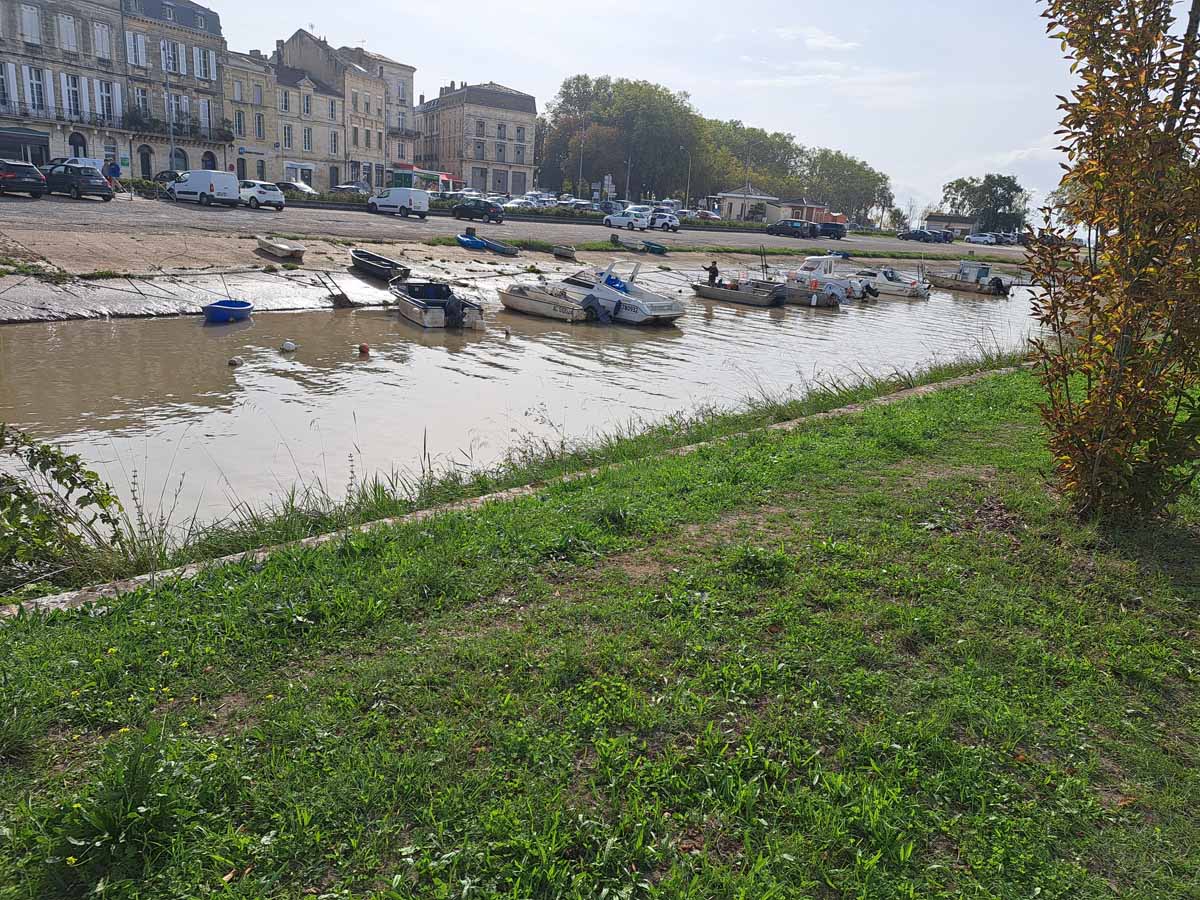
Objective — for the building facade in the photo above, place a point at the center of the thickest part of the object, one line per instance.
(483, 135)
(310, 115)
(251, 93)
(399, 132)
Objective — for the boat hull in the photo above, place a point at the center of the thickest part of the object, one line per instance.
(222, 313)
(796, 295)
(533, 302)
(499, 247)
(376, 266)
(280, 248)
(470, 243)
(949, 283)
(424, 303)
(743, 298)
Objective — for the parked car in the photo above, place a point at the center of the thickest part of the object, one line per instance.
(708, 216)
(261, 193)
(917, 234)
(981, 238)
(206, 187)
(78, 182)
(478, 208)
(401, 201)
(835, 230)
(1005, 237)
(95, 163)
(297, 187)
(947, 236)
(794, 228)
(611, 206)
(581, 205)
(629, 218)
(355, 188)
(167, 176)
(519, 205)
(18, 177)
(664, 221)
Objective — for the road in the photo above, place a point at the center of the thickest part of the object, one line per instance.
(34, 224)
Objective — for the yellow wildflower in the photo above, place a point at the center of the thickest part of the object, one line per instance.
(71, 860)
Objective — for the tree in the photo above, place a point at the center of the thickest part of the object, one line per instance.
(1120, 362)
(995, 202)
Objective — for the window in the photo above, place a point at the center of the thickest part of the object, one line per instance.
(260, 169)
(307, 104)
(239, 123)
(37, 90)
(521, 133)
(168, 12)
(141, 100)
(354, 136)
(104, 100)
(479, 128)
(71, 100)
(366, 103)
(401, 150)
(401, 93)
(102, 40)
(66, 33)
(135, 48)
(287, 137)
(333, 141)
(260, 126)
(237, 91)
(400, 118)
(258, 95)
(379, 137)
(354, 100)
(203, 63)
(5, 89)
(499, 152)
(285, 101)
(367, 135)
(502, 132)
(179, 108)
(172, 57)
(519, 152)
(201, 22)
(31, 24)
(334, 176)
(332, 110)
(308, 139)
(479, 154)
(133, 6)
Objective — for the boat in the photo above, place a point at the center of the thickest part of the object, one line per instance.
(499, 247)
(224, 311)
(819, 275)
(563, 252)
(748, 293)
(890, 283)
(377, 266)
(433, 304)
(972, 277)
(654, 247)
(470, 242)
(546, 301)
(618, 299)
(281, 248)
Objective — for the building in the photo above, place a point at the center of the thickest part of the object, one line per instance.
(482, 135)
(251, 100)
(798, 208)
(174, 104)
(399, 132)
(310, 114)
(745, 204)
(960, 225)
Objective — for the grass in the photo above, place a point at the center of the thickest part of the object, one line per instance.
(872, 657)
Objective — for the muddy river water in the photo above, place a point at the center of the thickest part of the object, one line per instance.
(155, 399)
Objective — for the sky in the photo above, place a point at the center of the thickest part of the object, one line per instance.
(924, 91)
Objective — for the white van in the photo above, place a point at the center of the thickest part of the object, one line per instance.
(401, 202)
(206, 186)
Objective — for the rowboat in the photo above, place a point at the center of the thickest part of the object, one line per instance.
(433, 304)
(636, 246)
(655, 248)
(499, 247)
(545, 301)
(281, 248)
(618, 299)
(972, 278)
(377, 266)
(224, 311)
(562, 252)
(470, 242)
(748, 293)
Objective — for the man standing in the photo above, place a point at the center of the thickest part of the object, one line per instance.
(713, 274)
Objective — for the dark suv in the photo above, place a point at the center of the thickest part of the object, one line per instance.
(78, 182)
(796, 228)
(478, 208)
(835, 230)
(18, 177)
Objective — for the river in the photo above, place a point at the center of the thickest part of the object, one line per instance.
(154, 403)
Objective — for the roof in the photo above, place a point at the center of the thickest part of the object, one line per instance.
(289, 77)
(185, 14)
(748, 192)
(803, 201)
(246, 59)
(362, 53)
(491, 94)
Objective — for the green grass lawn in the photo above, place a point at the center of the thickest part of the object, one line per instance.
(872, 657)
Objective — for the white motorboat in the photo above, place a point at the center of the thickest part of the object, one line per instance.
(819, 274)
(890, 283)
(621, 299)
(546, 301)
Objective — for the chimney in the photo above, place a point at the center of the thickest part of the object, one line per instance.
(421, 102)
(257, 54)
(279, 49)
(452, 86)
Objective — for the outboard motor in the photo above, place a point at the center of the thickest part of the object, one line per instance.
(999, 287)
(454, 312)
(595, 310)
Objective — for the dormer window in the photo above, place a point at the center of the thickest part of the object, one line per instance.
(168, 12)
(201, 22)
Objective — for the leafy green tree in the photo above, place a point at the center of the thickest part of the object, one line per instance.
(995, 202)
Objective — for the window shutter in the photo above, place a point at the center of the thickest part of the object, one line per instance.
(118, 108)
(185, 107)
(196, 61)
(28, 85)
(181, 54)
(162, 50)
(140, 41)
(48, 80)
(62, 78)
(212, 65)
(205, 122)
(10, 70)
(130, 48)
(84, 100)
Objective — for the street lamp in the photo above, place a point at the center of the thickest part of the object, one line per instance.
(578, 184)
(687, 195)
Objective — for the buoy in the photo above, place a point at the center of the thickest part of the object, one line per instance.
(288, 347)
(235, 361)
(364, 350)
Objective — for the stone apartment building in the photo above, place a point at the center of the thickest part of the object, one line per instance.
(482, 134)
(311, 115)
(174, 55)
(399, 133)
(251, 98)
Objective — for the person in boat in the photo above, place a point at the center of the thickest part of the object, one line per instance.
(713, 274)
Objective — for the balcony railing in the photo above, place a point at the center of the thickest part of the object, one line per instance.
(133, 120)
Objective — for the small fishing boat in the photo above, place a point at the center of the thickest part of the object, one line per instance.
(499, 247)
(224, 311)
(890, 283)
(433, 304)
(377, 266)
(470, 242)
(545, 301)
(281, 248)
(972, 277)
(563, 252)
(621, 299)
(748, 293)
(819, 276)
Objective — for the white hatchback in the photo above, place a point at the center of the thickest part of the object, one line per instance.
(630, 219)
(261, 193)
(665, 220)
(980, 239)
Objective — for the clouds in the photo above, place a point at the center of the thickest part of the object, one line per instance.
(813, 38)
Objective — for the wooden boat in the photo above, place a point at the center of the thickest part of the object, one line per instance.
(224, 311)
(562, 252)
(433, 304)
(281, 248)
(972, 278)
(748, 293)
(547, 302)
(470, 242)
(499, 247)
(654, 247)
(802, 295)
(377, 266)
